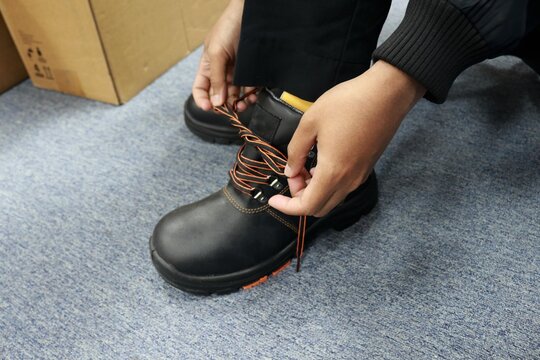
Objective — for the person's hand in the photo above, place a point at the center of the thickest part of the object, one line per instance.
(351, 124)
(213, 82)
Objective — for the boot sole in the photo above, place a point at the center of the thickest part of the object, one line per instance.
(211, 133)
(339, 219)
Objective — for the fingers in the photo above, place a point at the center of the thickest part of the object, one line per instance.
(302, 203)
(309, 201)
(218, 76)
(298, 183)
(233, 92)
(332, 202)
(201, 87)
(241, 106)
(251, 99)
(301, 143)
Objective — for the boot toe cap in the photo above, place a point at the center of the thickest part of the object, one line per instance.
(173, 241)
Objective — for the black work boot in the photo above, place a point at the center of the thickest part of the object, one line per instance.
(233, 239)
(211, 126)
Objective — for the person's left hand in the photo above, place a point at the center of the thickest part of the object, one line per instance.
(351, 124)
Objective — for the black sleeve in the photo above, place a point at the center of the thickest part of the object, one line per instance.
(438, 39)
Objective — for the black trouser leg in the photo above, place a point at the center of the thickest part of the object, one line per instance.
(307, 46)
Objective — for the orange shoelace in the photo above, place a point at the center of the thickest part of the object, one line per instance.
(246, 172)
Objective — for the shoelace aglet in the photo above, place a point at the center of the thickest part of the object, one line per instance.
(300, 241)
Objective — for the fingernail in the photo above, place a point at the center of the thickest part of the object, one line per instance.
(287, 171)
(216, 100)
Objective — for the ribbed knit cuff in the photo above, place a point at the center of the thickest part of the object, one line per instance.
(434, 43)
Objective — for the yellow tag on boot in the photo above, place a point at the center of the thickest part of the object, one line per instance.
(295, 101)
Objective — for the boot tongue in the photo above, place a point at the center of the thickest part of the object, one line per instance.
(274, 121)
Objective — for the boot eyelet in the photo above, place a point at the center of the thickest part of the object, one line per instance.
(276, 184)
(259, 196)
(311, 160)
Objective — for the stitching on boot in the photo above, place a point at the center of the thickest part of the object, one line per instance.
(240, 207)
(281, 220)
(246, 210)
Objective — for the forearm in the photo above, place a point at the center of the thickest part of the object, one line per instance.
(438, 39)
(393, 87)
(385, 95)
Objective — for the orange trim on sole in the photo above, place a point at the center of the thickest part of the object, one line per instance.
(265, 278)
(255, 283)
(281, 268)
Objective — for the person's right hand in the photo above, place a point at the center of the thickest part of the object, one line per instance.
(213, 82)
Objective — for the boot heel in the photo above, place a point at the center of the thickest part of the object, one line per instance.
(340, 223)
(358, 203)
(343, 221)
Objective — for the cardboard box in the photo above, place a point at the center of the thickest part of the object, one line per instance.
(102, 49)
(12, 69)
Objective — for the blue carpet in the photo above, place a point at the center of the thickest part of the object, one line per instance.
(446, 266)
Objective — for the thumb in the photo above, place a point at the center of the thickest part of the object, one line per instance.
(301, 143)
(218, 68)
